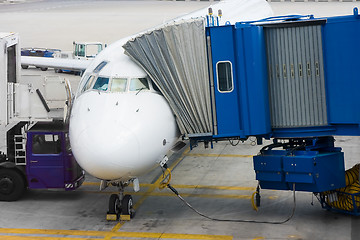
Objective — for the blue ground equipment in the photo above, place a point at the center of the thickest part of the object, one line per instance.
(293, 79)
(39, 52)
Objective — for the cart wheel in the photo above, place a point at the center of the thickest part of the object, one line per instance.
(114, 204)
(127, 206)
(12, 185)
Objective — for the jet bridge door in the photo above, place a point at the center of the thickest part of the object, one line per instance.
(227, 109)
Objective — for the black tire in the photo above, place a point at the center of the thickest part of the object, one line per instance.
(257, 198)
(58, 70)
(12, 185)
(127, 206)
(114, 204)
(24, 66)
(44, 68)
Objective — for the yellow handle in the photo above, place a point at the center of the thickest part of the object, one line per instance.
(253, 202)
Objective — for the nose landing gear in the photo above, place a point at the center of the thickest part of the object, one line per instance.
(120, 206)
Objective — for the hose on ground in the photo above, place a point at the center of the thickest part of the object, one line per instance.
(234, 220)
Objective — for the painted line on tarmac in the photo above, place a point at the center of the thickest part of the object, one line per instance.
(184, 186)
(114, 230)
(151, 193)
(152, 187)
(219, 155)
(43, 238)
(218, 196)
(215, 187)
(49, 234)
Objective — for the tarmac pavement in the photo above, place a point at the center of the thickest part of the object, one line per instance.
(218, 182)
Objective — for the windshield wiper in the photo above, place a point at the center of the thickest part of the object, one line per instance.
(139, 90)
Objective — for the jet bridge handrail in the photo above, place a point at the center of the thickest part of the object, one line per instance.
(280, 18)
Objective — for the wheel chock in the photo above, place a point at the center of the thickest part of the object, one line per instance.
(124, 217)
(111, 217)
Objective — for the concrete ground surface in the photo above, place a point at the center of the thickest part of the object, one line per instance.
(218, 182)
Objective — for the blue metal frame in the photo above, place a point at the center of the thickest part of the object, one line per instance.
(245, 111)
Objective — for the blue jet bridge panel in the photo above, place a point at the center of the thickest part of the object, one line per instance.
(293, 78)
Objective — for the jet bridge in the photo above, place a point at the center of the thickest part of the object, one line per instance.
(294, 77)
(287, 76)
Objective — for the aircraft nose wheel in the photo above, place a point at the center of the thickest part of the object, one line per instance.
(114, 205)
(127, 206)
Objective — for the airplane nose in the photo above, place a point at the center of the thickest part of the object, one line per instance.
(120, 136)
(106, 149)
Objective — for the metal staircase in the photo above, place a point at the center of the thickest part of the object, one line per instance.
(20, 149)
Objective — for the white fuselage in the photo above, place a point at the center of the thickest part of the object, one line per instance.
(119, 125)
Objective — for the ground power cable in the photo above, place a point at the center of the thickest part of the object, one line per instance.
(234, 220)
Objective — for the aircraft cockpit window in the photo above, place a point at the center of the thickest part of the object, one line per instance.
(137, 84)
(101, 84)
(100, 66)
(118, 85)
(88, 83)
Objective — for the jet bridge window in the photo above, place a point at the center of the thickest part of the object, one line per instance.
(137, 84)
(101, 84)
(224, 76)
(46, 144)
(118, 84)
